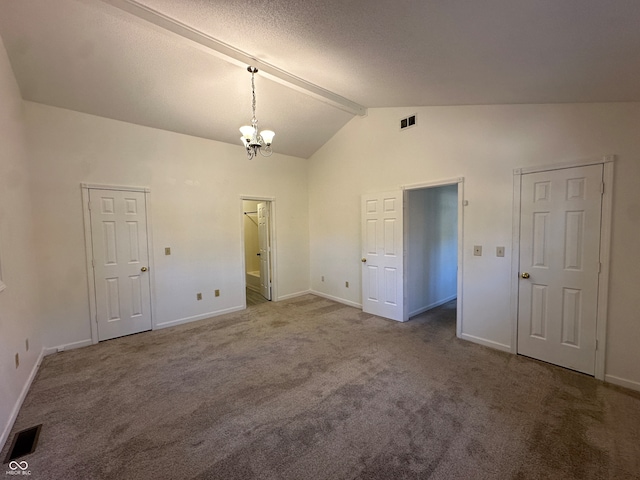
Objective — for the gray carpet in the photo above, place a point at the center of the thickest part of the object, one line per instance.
(311, 389)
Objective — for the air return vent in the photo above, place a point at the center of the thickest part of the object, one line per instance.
(24, 443)
(408, 122)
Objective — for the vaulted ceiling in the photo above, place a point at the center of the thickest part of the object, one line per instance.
(181, 65)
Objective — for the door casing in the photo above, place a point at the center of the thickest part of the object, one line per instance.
(88, 247)
(605, 247)
(459, 181)
(272, 240)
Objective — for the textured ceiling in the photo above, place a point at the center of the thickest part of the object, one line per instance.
(90, 56)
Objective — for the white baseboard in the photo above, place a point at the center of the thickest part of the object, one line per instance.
(486, 343)
(67, 346)
(622, 382)
(433, 305)
(336, 299)
(294, 295)
(195, 318)
(23, 393)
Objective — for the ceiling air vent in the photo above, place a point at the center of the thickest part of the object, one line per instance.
(407, 122)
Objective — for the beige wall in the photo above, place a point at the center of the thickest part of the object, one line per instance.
(196, 209)
(483, 144)
(19, 301)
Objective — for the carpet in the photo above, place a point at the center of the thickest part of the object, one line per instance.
(312, 389)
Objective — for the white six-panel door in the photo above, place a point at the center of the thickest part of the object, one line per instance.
(120, 262)
(382, 255)
(559, 266)
(265, 250)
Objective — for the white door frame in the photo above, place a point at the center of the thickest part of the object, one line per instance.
(459, 181)
(88, 248)
(605, 251)
(272, 242)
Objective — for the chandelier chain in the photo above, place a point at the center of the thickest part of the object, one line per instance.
(253, 104)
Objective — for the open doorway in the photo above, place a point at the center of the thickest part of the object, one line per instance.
(257, 242)
(432, 250)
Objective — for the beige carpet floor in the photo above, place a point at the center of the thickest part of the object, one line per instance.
(312, 389)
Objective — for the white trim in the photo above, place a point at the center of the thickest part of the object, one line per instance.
(233, 55)
(515, 260)
(607, 161)
(2, 284)
(438, 183)
(98, 186)
(432, 306)
(561, 166)
(461, 204)
(255, 198)
(603, 277)
(336, 299)
(486, 343)
(88, 252)
(151, 258)
(195, 318)
(294, 295)
(88, 248)
(20, 400)
(68, 346)
(623, 382)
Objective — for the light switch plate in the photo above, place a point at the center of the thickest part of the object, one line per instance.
(167, 250)
(499, 251)
(477, 250)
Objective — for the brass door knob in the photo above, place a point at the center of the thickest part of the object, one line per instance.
(525, 275)
(144, 269)
(363, 260)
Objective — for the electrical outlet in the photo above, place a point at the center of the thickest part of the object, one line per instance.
(346, 284)
(477, 250)
(26, 344)
(217, 292)
(198, 296)
(499, 251)
(167, 250)
(17, 360)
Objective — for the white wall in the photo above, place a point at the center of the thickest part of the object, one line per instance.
(195, 207)
(483, 144)
(19, 318)
(432, 247)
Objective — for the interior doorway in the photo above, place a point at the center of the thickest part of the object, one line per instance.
(258, 249)
(431, 246)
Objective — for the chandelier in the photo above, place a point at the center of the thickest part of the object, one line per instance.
(253, 141)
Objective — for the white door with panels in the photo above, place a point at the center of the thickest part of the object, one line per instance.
(382, 255)
(559, 266)
(265, 249)
(120, 262)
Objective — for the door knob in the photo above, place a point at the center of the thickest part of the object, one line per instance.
(525, 275)
(363, 260)
(144, 269)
